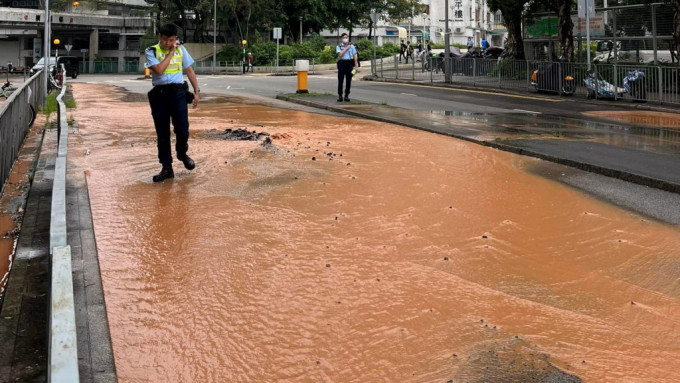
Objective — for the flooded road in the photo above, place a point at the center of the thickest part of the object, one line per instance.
(356, 251)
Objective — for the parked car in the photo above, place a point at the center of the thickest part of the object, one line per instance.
(70, 64)
(40, 65)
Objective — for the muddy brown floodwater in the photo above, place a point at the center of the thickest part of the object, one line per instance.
(394, 255)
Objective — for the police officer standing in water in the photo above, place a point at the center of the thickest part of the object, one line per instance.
(347, 55)
(168, 98)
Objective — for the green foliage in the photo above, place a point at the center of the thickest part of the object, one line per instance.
(328, 56)
(230, 53)
(304, 51)
(317, 42)
(365, 48)
(387, 49)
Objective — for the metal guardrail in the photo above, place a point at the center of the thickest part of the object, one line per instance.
(234, 67)
(63, 347)
(659, 84)
(16, 116)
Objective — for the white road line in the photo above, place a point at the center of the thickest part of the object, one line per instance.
(410, 94)
(527, 111)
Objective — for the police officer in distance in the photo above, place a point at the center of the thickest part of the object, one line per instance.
(347, 62)
(168, 99)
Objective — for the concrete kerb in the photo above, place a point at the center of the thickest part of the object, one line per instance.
(626, 176)
(63, 349)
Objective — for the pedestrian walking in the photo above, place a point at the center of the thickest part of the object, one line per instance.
(470, 44)
(347, 65)
(409, 51)
(168, 98)
(485, 44)
(402, 50)
(250, 62)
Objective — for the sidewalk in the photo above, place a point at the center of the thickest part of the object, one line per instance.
(24, 316)
(648, 165)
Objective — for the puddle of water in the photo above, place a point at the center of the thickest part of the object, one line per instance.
(400, 256)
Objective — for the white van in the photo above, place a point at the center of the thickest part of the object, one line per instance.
(41, 64)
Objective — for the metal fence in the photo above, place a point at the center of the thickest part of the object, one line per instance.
(641, 33)
(604, 81)
(224, 67)
(17, 114)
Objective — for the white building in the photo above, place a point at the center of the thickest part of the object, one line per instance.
(467, 18)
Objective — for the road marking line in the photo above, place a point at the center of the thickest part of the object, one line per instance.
(527, 111)
(472, 91)
(410, 94)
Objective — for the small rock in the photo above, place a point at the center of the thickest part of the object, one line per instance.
(484, 236)
(328, 265)
(446, 258)
(313, 158)
(632, 303)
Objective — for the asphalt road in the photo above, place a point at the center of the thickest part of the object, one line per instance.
(520, 114)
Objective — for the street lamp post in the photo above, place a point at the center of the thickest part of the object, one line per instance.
(214, 37)
(300, 29)
(447, 45)
(374, 20)
(243, 63)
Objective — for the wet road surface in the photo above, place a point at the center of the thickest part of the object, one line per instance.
(358, 251)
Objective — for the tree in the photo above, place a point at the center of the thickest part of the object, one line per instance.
(514, 12)
(565, 27)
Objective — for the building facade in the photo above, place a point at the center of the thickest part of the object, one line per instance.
(105, 35)
(467, 18)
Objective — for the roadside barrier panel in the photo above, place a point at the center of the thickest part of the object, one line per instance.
(63, 350)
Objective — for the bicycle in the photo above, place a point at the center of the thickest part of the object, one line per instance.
(7, 89)
(54, 83)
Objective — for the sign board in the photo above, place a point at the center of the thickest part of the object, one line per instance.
(547, 26)
(277, 34)
(586, 6)
(68, 48)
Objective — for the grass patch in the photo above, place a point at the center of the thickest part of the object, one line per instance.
(311, 94)
(51, 103)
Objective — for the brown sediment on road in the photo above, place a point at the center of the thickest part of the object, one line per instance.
(647, 118)
(357, 251)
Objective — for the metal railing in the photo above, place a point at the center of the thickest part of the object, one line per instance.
(16, 116)
(659, 84)
(235, 67)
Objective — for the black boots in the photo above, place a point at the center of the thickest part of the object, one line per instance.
(339, 98)
(187, 161)
(166, 172)
(347, 97)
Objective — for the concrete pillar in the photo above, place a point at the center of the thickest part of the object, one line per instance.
(121, 53)
(94, 48)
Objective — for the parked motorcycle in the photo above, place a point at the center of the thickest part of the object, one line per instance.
(554, 77)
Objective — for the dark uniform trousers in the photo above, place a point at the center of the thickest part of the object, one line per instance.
(345, 74)
(168, 102)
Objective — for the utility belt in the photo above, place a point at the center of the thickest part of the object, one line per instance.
(171, 88)
(346, 60)
(167, 88)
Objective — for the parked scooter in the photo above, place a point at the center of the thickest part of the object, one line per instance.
(554, 77)
(634, 85)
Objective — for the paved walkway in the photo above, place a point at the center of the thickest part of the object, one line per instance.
(24, 323)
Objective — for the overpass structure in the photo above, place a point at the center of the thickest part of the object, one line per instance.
(89, 34)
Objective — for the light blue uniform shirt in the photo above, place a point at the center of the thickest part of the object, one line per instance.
(349, 55)
(167, 78)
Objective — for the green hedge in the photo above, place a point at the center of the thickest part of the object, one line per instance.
(315, 48)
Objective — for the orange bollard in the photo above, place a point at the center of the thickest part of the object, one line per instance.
(147, 73)
(302, 67)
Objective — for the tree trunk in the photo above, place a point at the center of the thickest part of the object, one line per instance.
(515, 43)
(566, 30)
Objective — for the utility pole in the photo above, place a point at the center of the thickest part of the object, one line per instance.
(300, 29)
(214, 37)
(447, 45)
(46, 50)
